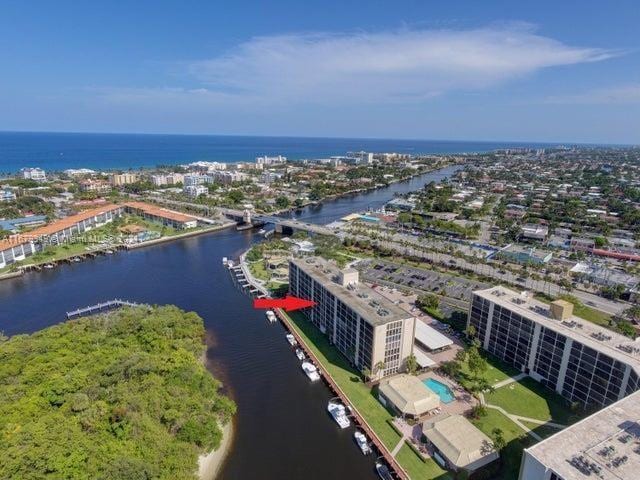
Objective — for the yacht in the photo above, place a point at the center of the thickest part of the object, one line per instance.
(383, 471)
(339, 414)
(363, 444)
(271, 316)
(311, 371)
(299, 354)
(262, 231)
(224, 260)
(291, 339)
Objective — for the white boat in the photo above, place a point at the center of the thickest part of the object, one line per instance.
(229, 264)
(339, 414)
(262, 231)
(299, 354)
(224, 260)
(363, 444)
(292, 340)
(383, 471)
(271, 316)
(76, 259)
(311, 371)
(108, 252)
(49, 266)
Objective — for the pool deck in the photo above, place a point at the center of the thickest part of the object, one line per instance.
(463, 402)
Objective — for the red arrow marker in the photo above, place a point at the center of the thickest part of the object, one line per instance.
(289, 303)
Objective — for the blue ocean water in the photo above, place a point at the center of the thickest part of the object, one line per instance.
(59, 151)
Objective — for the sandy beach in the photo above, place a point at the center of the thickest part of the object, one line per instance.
(209, 465)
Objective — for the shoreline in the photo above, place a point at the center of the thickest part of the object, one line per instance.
(149, 243)
(209, 465)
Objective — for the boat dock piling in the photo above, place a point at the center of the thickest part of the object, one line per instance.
(243, 277)
(99, 307)
(335, 388)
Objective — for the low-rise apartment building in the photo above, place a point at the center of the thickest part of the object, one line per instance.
(94, 186)
(156, 214)
(7, 196)
(585, 363)
(370, 331)
(20, 246)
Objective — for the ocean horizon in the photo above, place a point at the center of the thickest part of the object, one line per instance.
(114, 151)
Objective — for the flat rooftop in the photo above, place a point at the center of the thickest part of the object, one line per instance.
(604, 446)
(602, 339)
(369, 304)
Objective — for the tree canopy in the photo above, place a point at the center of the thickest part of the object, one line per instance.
(122, 395)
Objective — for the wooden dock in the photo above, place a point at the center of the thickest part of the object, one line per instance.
(400, 473)
(101, 307)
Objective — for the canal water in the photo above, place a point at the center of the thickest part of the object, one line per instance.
(282, 430)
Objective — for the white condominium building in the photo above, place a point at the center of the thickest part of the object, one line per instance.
(585, 363)
(370, 331)
(36, 174)
(603, 446)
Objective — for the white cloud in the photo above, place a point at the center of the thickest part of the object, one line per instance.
(620, 94)
(399, 66)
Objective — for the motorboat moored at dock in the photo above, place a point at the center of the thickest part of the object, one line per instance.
(271, 316)
(292, 340)
(311, 371)
(300, 354)
(361, 441)
(339, 414)
(383, 471)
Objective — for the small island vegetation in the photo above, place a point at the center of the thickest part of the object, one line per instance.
(118, 396)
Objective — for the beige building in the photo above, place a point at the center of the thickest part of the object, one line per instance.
(118, 179)
(407, 395)
(457, 444)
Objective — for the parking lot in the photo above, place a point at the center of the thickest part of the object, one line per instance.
(458, 289)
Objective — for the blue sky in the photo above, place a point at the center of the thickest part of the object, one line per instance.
(530, 71)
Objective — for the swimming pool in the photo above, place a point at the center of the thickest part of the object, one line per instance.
(368, 218)
(444, 392)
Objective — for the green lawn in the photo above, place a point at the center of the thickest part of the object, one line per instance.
(348, 379)
(257, 270)
(497, 371)
(543, 430)
(516, 438)
(417, 468)
(363, 399)
(528, 398)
